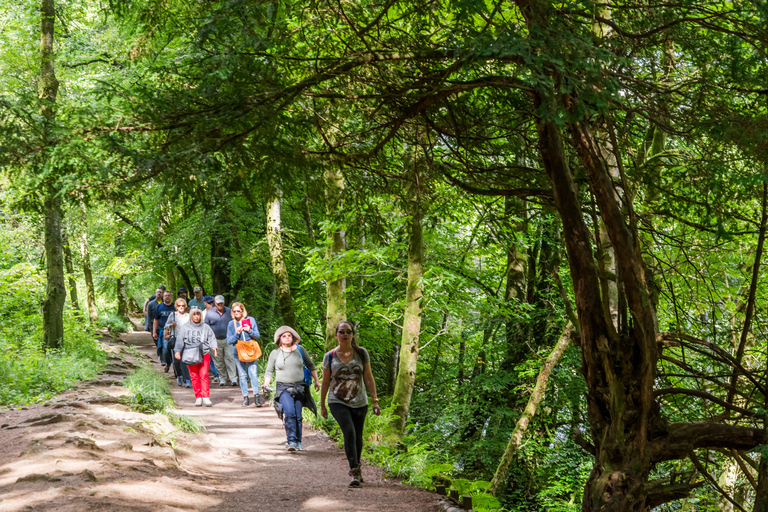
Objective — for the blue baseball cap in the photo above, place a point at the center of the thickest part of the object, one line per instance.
(207, 298)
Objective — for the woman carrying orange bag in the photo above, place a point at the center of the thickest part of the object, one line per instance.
(243, 328)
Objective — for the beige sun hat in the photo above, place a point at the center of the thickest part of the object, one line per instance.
(284, 329)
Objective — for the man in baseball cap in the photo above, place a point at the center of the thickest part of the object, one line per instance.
(197, 301)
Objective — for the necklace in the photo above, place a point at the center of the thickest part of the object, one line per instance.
(290, 352)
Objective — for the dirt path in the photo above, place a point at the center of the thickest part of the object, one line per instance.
(85, 451)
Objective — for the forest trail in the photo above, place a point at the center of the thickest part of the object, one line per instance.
(84, 451)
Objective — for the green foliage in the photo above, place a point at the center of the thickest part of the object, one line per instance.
(186, 423)
(27, 373)
(115, 323)
(151, 394)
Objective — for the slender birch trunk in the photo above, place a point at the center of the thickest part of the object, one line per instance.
(277, 260)
(530, 409)
(336, 306)
(409, 344)
(88, 274)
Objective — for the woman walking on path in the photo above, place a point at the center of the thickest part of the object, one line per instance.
(176, 321)
(244, 328)
(288, 360)
(192, 334)
(347, 373)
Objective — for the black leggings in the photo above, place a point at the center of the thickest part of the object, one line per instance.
(351, 421)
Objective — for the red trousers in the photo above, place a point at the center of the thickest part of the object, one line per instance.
(199, 375)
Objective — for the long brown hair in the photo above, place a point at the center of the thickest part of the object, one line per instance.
(354, 334)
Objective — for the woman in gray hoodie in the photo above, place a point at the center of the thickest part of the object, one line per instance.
(192, 334)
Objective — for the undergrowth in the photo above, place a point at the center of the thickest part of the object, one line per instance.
(416, 461)
(151, 393)
(114, 323)
(28, 374)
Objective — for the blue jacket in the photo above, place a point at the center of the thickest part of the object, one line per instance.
(232, 335)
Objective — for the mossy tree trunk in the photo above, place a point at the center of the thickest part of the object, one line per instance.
(409, 343)
(336, 307)
(277, 260)
(55, 293)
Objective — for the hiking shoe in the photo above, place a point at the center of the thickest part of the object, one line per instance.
(167, 367)
(216, 380)
(199, 402)
(207, 402)
(189, 383)
(299, 447)
(222, 383)
(257, 401)
(235, 383)
(245, 401)
(291, 447)
(357, 476)
(354, 483)
(179, 381)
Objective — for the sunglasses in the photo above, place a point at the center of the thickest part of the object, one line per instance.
(346, 331)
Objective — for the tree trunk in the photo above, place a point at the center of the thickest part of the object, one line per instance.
(170, 276)
(530, 410)
(90, 291)
(729, 473)
(185, 278)
(55, 293)
(277, 260)
(70, 271)
(394, 360)
(516, 285)
(336, 307)
(53, 305)
(121, 289)
(409, 344)
(221, 283)
(197, 277)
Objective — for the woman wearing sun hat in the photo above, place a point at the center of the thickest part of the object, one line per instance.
(291, 394)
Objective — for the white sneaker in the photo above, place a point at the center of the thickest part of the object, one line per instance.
(198, 402)
(207, 402)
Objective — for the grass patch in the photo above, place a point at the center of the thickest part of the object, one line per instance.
(151, 393)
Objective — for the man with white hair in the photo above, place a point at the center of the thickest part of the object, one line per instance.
(218, 319)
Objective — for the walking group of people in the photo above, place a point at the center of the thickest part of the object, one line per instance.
(186, 333)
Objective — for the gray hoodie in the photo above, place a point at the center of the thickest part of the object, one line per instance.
(192, 334)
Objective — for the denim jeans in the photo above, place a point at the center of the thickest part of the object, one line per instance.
(351, 421)
(180, 369)
(292, 412)
(247, 371)
(213, 368)
(166, 351)
(159, 342)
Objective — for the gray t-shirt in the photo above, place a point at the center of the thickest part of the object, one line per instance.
(288, 365)
(347, 383)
